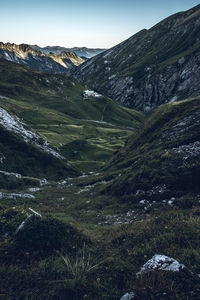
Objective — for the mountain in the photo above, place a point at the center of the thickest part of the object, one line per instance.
(152, 67)
(51, 62)
(161, 162)
(80, 51)
(97, 200)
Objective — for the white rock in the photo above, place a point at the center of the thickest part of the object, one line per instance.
(160, 262)
(128, 296)
(170, 202)
(34, 189)
(11, 174)
(43, 182)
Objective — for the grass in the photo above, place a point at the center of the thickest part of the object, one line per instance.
(154, 156)
(99, 222)
(40, 101)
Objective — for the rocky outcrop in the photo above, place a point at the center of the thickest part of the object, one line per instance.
(160, 262)
(152, 67)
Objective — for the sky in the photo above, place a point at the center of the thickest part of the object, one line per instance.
(89, 23)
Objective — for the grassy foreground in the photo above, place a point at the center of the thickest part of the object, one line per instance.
(96, 230)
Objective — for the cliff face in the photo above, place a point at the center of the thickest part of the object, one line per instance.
(152, 67)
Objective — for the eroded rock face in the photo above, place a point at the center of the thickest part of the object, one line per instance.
(152, 67)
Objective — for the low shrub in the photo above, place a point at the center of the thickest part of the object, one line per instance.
(45, 235)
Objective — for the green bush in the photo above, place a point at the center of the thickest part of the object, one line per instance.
(45, 235)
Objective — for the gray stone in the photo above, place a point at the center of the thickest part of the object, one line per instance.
(128, 296)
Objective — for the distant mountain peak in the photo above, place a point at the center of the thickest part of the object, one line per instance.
(80, 51)
(152, 67)
(36, 59)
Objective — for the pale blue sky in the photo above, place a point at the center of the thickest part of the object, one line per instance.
(90, 23)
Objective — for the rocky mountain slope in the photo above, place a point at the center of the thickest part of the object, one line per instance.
(35, 59)
(152, 67)
(80, 51)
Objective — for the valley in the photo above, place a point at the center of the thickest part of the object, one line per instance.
(99, 168)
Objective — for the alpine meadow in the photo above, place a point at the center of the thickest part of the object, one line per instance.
(100, 162)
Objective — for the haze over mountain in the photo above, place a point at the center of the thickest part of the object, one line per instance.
(152, 67)
(80, 51)
(36, 59)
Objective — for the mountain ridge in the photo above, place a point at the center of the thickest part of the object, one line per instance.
(51, 62)
(80, 51)
(152, 67)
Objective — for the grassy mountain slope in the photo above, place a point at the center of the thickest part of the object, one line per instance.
(87, 131)
(145, 202)
(162, 160)
(152, 67)
(28, 160)
(107, 224)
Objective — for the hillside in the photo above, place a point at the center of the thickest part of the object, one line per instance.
(100, 201)
(161, 162)
(152, 67)
(37, 60)
(132, 228)
(86, 130)
(25, 153)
